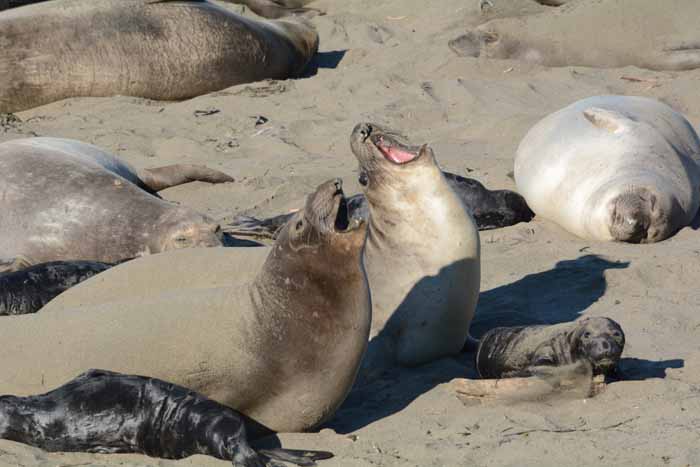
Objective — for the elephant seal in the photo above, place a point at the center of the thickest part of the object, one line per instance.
(67, 200)
(519, 351)
(28, 290)
(422, 253)
(105, 412)
(282, 346)
(491, 209)
(156, 49)
(657, 36)
(612, 168)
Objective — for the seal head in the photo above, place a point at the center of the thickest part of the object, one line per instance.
(600, 341)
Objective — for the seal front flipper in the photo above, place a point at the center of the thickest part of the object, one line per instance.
(107, 412)
(160, 178)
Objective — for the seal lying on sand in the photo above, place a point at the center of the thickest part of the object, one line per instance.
(28, 290)
(106, 412)
(157, 49)
(280, 339)
(490, 209)
(518, 351)
(67, 200)
(612, 168)
(612, 34)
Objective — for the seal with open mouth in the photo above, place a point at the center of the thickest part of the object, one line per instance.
(276, 333)
(422, 254)
(518, 351)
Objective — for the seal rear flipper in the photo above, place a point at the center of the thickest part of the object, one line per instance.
(16, 263)
(160, 178)
(303, 458)
(274, 9)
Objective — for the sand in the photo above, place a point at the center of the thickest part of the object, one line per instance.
(388, 61)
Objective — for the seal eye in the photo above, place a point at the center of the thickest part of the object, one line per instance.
(299, 225)
(616, 334)
(586, 335)
(180, 239)
(364, 180)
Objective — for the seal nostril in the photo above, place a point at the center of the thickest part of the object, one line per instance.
(365, 132)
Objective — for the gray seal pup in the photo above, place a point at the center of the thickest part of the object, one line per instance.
(657, 35)
(422, 255)
(27, 290)
(105, 412)
(519, 351)
(607, 168)
(155, 49)
(67, 200)
(276, 333)
(491, 209)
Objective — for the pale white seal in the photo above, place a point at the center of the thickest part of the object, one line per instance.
(612, 168)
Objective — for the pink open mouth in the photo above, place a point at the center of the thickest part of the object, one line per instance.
(394, 153)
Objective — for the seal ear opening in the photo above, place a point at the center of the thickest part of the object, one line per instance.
(605, 119)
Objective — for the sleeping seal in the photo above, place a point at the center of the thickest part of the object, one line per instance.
(490, 209)
(276, 333)
(67, 200)
(612, 168)
(519, 351)
(422, 254)
(603, 34)
(106, 412)
(156, 49)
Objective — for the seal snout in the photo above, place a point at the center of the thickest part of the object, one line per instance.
(631, 217)
(602, 342)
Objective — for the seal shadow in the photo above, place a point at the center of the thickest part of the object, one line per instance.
(555, 296)
(639, 369)
(383, 388)
(329, 60)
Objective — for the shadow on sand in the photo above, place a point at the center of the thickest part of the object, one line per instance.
(558, 295)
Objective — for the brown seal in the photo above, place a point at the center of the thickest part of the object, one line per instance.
(67, 200)
(276, 333)
(157, 49)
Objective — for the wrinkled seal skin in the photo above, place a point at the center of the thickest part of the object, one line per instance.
(28, 290)
(156, 49)
(518, 351)
(422, 254)
(612, 168)
(276, 333)
(67, 200)
(105, 412)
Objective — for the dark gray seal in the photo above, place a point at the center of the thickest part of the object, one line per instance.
(156, 49)
(518, 351)
(27, 290)
(491, 209)
(107, 412)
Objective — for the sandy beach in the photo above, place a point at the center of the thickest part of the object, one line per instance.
(389, 62)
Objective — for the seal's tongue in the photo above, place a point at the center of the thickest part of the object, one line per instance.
(395, 153)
